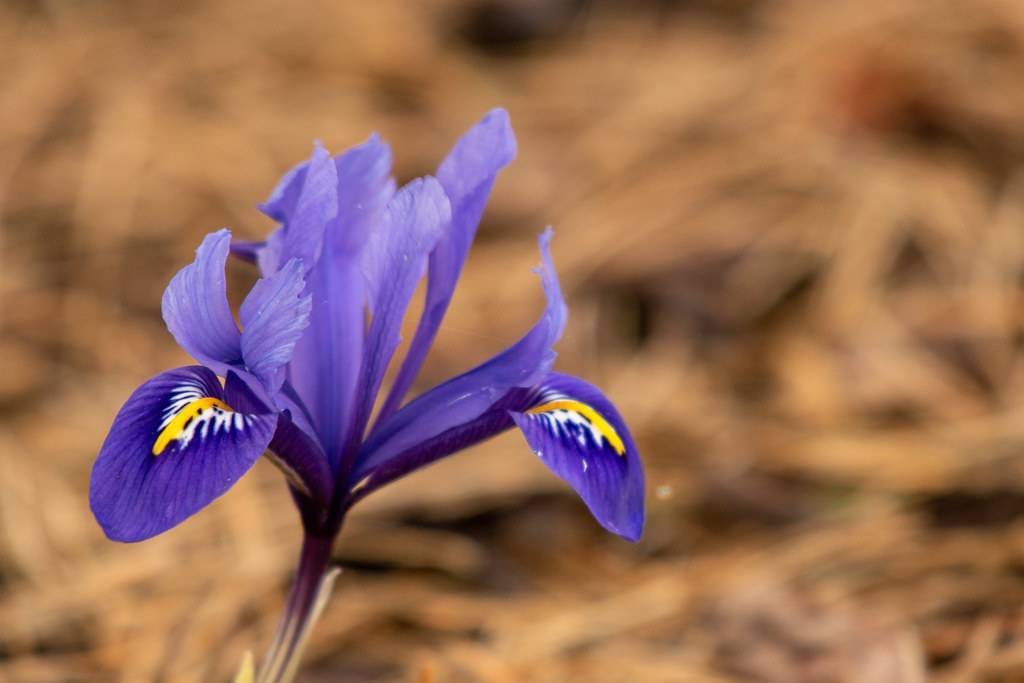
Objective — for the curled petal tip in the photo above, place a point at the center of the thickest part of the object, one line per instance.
(557, 312)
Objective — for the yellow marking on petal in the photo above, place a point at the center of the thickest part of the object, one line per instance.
(177, 426)
(592, 416)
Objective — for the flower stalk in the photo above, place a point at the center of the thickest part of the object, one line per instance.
(311, 587)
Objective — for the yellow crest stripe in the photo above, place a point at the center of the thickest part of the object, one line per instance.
(177, 426)
(592, 416)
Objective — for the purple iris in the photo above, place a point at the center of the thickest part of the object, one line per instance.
(319, 330)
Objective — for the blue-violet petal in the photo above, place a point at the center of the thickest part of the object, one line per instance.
(173, 448)
(196, 310)
(467, 175)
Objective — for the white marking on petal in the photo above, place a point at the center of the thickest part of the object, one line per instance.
(211, 421)
(567, 422)
(181, 396)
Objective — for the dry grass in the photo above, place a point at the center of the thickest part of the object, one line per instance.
(792, 235)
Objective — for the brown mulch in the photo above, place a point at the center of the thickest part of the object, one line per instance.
(791, 233)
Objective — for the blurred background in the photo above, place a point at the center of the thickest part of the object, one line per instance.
(791, 233)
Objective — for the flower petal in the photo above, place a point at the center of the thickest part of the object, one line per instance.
(569, 425)
(365, 186)
(468, 397)
(196, 310)
(393, 263)
(581, 437)
(373, 472)
(467, 175)
(306, 201)
(174, 447)
(283, 199)
(273, 316)
(293, 451)
(325, 367)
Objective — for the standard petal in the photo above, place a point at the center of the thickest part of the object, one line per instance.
(273, 316)
(581, 437)
(466, 398)
(398, 247)
(394, 261)
(325, 367)
(365, 186)
(467, 175)
(174, 447)
(196, 310)
(306, 202)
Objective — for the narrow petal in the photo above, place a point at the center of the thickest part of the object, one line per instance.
(581, 437)
(325, 367)
(174, 447)
(468, 397)
(273, 316)
(292, 450)
(306, 202)
(394, 261)
(196, 310)
(467, 175)
(365, 186)
(397, 249)
(371, 473)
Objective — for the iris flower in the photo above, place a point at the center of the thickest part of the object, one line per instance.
(297, 378)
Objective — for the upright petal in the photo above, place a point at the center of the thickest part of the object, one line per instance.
(394, 261)
(465, 398)
(467, 175)
(273, 316)
(307, 201)
(365, 186)
(174, 447)
(196, 310)
(325, 367)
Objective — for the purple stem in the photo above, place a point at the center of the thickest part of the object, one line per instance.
(314, 562)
